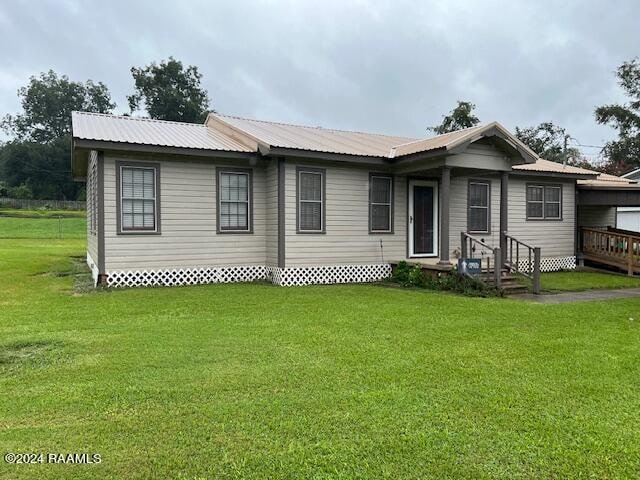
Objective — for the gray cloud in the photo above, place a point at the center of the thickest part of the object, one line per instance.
(387, 66)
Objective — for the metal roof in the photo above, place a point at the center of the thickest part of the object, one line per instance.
(606, 180)
(315, 139)
(143, 131)
(553, 167)
(440, 141)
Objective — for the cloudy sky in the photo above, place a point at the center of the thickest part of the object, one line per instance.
(385, 66)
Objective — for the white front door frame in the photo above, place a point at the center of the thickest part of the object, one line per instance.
(411, 219)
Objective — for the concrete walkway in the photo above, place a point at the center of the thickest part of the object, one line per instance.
(589, 295)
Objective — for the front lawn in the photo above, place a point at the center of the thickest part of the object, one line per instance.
(44, 227)
(585, 280)
(257, 381)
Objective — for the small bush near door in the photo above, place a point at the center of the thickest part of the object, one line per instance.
(413, 276)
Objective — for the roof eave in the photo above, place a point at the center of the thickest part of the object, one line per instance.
(80, 148)
(330, 156)
(538, 173)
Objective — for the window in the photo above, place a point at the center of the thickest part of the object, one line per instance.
(234, 201)
(544, 202)
(380, 204)
(92, 194)
(138, 202)
(311, 196)
(479, 206)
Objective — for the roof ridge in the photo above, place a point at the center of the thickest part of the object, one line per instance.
(139, 119)
(314, 128)
(441, 135)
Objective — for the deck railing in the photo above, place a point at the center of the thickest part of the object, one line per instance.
(523, 259)
(611, 247)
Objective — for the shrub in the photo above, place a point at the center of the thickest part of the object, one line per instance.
(408, 276)
(413, 276)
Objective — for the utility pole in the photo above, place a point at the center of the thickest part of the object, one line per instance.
(564, 149)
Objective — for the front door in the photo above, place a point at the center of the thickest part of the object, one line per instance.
(423, 218)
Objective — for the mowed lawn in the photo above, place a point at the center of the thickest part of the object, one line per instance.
(257, 381)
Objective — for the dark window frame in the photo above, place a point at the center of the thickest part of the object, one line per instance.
(544, 187)
(480, 181)
(323, 203)
(246, 171)
(157, 198)
(391, 204)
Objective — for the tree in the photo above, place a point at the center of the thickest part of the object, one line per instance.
(168, 91)
(624, 153)
(460, 117)
(42, 169)
(547, 140)
(47, 102)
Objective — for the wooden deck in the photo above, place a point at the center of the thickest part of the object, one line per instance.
(613, 247)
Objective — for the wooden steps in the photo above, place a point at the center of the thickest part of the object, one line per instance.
(509, 284)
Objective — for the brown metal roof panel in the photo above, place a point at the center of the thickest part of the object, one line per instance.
(122, 129)
(316, 138)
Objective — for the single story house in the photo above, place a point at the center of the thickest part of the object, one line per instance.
(236, 199)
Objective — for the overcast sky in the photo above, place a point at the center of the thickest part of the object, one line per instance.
(389, 66)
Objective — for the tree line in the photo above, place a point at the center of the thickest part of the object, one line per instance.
(35, 162)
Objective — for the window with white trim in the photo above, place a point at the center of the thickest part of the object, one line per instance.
(138, 205)
(380, 203)
(479, 206)
(234, 201)
(311, 201)
(544, 202)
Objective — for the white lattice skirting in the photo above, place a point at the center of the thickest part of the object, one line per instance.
(286, 277)
(329, 274)
(185, 276)
(552, 264)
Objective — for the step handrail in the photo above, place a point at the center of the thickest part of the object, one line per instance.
(467, 242)
(532, 259)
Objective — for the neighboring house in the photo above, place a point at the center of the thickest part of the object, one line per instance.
(235, 199)
(629, 217)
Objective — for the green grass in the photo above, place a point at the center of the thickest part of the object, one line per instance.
(579, 281)
(41, 213)
(59, 228)
(257, 381)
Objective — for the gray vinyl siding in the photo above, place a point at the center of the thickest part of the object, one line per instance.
(92, 237)
(271, 206)
(188, 218)
(596, 216)
(458, 211)
(346, 239)
(556, 238)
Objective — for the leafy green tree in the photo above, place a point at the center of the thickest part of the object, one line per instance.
(168, 91)
(460, 117)
(547, 140)
(39, 169)
(47, 102)
(624, 153)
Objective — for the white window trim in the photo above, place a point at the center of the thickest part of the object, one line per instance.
(155, 200)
